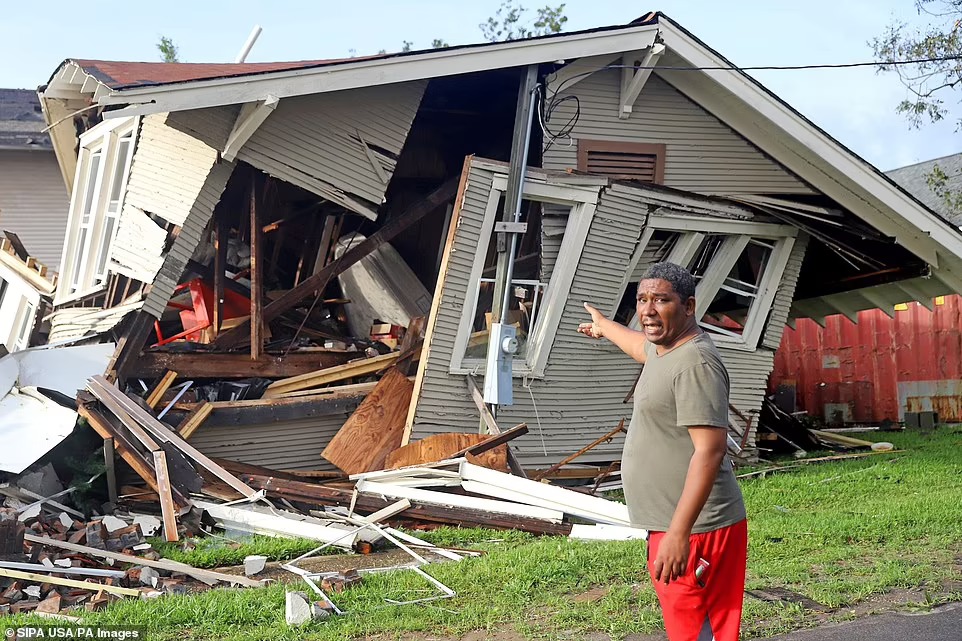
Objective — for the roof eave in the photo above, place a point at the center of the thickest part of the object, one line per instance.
(809, 151)
(366, 73)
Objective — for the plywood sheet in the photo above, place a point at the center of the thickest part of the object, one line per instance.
(376, 427)
(438, 447)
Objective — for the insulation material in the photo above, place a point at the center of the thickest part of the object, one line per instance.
(381, 287)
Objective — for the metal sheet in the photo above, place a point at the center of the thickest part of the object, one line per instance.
(885, 366)
(32, 422)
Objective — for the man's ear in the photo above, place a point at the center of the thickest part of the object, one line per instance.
(690, 306)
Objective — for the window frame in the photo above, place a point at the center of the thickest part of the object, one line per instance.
(738, 234)
(658, 150)
(80, 275)
(581, 202)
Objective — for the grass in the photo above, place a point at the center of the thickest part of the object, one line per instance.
(215, 551)
(837, 533)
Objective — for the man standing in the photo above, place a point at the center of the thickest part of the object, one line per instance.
(679, 482)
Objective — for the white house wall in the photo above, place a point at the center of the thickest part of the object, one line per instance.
(326, 143)
(702, 154)
(34, 202)
(17, 296)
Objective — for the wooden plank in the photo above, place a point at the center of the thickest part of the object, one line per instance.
(602, 439)
(275, 410)
(319, 281)
(158, 392)
(129, 349)
(17, 245)
(163, 433)
(140, 464)
(221, 230)
(228, 366)
(494, 441)
(257, 277)
(110, 470)
(135, 429)
(167, 510)
(439, 447)
(478, 399)
(194, 420)
(351, 389)
(332, 374)
(163, 564)
(55, 580)
(375, 429)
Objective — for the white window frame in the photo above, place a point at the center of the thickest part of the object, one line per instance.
(18, 310)
(79, 275)
(582, 202)
(739, 233)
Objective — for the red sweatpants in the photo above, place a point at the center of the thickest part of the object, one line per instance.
(686, 605)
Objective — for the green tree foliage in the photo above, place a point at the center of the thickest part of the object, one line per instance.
(935, 82)
(167, 49)
(509, 22)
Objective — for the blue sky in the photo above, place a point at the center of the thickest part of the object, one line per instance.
(856, 106)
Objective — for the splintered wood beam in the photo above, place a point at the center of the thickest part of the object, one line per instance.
(221, 229)
(130, 346)
(133, 457)
(194, 420)
(239, 365)
(478, 399)
(257, 277)
(167, 510)
(165, 382)
(319, 281)
(331, 374)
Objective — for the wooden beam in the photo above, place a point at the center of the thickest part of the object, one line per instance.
(557, 466)
(494, 441)
(129, 347)
(257, 276)
(225, 366)
(914, 292)
(103, 389)
(839, 304)
(194, 420)
(17, 245)
(167, 510)
(221, 229)
(478, 399)
(251, 116)
(162, 564)
(332, 374)
(319, 281)
(162, 386)
(110, 470)
(275, 410)
(72, 583)
(636, 80)
(140, 464)
(886, 306)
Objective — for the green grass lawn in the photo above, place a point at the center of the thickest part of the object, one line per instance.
(834, 532)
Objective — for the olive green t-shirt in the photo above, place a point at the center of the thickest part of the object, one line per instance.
(688, 386)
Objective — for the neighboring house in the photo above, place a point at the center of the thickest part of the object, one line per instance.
(33, 216)
(647, 145)
(877, 365)
(33, 201)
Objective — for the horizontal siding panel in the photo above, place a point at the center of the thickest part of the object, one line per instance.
(702, 153)
(34, 203)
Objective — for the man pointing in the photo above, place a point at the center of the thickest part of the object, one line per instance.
(679, 482)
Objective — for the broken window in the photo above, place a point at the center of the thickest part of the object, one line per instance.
(106, 152)
(539, 283)
(526, 291)
(656, 250)
(737, 297)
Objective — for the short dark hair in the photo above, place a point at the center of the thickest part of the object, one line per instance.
(680, 278)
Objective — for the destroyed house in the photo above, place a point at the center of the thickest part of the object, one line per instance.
(231, 221)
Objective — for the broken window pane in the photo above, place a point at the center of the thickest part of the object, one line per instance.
(658, 248)
(730, 310)
(527, 290)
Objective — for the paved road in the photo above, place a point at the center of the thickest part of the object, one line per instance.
(942, 624)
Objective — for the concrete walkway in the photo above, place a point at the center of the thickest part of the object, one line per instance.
(941, 624)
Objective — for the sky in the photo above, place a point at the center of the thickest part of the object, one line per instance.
(856, 106)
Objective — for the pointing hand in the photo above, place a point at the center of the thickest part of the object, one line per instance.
(592, 329)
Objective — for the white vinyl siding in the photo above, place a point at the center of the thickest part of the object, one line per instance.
(34, 203)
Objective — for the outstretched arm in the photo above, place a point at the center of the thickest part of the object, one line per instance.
(631, 342)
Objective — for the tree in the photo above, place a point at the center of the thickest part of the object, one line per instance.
(508, 22)
(934, 79)
(167, 49)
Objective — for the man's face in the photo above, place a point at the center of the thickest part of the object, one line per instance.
(663, 315)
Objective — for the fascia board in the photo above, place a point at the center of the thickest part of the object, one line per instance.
(367, 73)
(833, 161)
